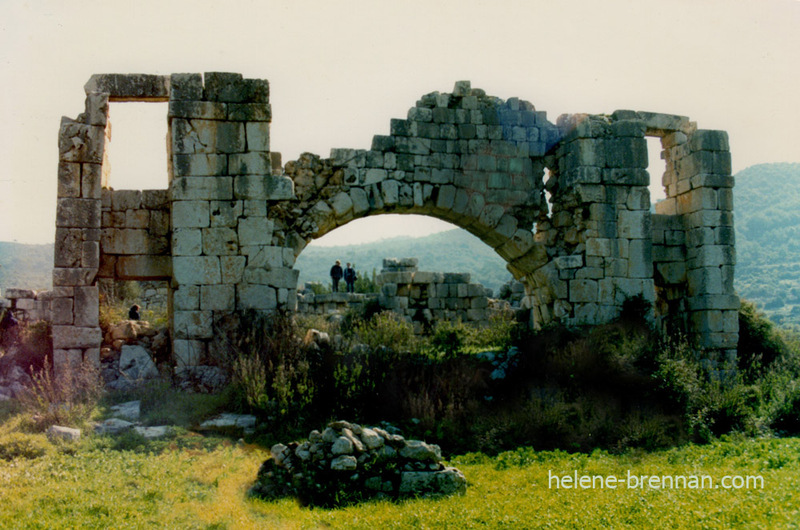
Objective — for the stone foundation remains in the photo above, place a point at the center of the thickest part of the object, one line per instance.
(226, 232)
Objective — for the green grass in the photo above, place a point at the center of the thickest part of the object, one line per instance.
(196, 482)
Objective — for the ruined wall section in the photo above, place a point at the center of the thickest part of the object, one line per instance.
(598, 234)
(422, 297)
(135, 237)
(75, 302)
(226, 253)
(699, 189)
(227, 231)
(464, 157)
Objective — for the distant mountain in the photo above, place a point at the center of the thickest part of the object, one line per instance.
(451, 251)
(767, 218)
(25, 266)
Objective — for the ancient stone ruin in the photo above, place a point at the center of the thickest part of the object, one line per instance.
(227, 231)
(419, 297)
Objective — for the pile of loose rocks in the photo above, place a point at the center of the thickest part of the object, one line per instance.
(347, 463)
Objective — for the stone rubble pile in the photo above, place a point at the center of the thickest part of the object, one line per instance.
(347, 462)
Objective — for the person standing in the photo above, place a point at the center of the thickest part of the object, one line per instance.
(336, 275)
(350, 278)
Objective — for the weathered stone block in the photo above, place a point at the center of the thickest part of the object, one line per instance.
(569, 262)
(202, 188)
(143, 267)
(232, 268)
(187, 242)
(196, 270)
(582, 291)
(132, 241)
(207, 136)
(220, 241)
(81, 143)
(193, 324)
(257, 136)
(78, 213)
(204, 110)
(251, 296)
(87, 306)
(130, 87)
(69, 179)
(252, 163)
(255, 231)
(62, 311)
(342, 204)
(185, 165)
(186, 298)
(68, 277)
(69, 337)
(217, 297)
(252, 112)
(231, 87)
(190, 214)
(188, 353)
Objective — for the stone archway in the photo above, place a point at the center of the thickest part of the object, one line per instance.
(233, 219)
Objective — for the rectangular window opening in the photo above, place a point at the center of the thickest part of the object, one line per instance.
(137, 152)
(656, 166)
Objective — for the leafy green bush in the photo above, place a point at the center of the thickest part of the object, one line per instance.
(448, 338)
(21, 445)
(386, 330)
(269, 365)
(760, 344)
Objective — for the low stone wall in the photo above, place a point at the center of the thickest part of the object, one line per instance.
(28, 305)
(309, 303)
(423, 297)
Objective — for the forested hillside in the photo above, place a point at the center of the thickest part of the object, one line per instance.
(452, 251)
(25, 266)
(767, 217)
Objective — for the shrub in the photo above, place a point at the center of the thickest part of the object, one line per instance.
(21, 445)
(67, 400)
(35, 345)
(386, 330)
(760, 344)
(448, 338)
(267, 360)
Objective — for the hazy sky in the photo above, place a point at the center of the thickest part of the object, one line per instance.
(339, 71)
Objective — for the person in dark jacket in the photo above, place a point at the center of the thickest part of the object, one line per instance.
(133, 313)
(336, 275)
(350, 278)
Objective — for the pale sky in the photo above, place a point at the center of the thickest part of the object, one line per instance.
(339, 71)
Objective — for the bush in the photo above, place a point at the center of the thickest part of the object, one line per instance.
(267, 360)
(760, 344)
(386, 330)
(448, 338)
(21, 445)
(67, 400)
(34, 345)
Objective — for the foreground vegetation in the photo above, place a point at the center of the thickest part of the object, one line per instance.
(189, 481)
(518, 407)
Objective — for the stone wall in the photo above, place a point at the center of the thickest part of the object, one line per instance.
(309, 303)
(27, 305)
(424, 297)
(228, 229)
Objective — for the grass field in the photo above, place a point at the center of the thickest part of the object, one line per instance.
(191, 481)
